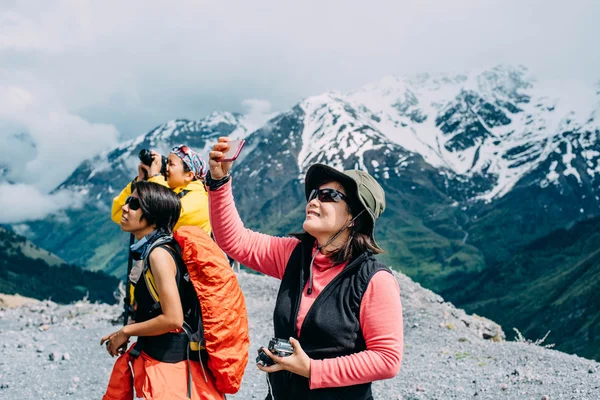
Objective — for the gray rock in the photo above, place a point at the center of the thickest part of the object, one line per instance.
(446, 363)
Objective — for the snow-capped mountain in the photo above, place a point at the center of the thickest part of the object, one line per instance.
(449, 150)
(492, 127)
(87, 237)
(476, 168)
(496, 125)
(99, 178)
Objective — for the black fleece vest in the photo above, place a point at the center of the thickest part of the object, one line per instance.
(169, 347)
(331, 327)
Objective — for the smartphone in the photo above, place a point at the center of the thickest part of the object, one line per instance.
(235, 146)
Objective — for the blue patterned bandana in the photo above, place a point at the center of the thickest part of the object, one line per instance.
(192, 159)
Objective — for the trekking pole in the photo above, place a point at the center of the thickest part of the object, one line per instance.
(127, 306)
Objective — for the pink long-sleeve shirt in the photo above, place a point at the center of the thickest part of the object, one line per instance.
(380, 309)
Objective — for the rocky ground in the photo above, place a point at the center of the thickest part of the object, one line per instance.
(51, 351)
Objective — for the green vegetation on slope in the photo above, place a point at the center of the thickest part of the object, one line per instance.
(552, 284)
(34, 277)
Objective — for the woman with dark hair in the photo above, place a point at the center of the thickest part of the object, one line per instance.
(338, 305)
(185, 173)
(161, 364)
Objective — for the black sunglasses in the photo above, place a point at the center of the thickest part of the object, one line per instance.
(326, 195)
(133, 203)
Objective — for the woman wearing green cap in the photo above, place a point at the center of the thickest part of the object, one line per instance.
(339, 306)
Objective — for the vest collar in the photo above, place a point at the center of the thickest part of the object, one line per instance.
(139, 250)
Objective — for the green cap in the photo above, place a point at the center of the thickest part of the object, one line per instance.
(359, 185)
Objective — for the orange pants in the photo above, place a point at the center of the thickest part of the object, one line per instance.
(156, 380)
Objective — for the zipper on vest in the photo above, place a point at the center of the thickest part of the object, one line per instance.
(339, 276)
(297, 306)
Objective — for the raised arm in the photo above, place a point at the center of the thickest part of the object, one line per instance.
(119, 201)
(263, 253)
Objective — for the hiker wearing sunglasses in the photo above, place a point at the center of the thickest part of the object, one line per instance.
(185, 176)
(161, 362)
(339, 307)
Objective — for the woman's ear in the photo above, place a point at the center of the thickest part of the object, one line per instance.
(188, 177)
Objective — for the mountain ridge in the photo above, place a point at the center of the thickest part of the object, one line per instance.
(475, 168)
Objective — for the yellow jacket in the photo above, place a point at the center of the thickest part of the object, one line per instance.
(194, 204)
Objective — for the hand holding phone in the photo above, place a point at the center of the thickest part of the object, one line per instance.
(221, 157)
(235, 147)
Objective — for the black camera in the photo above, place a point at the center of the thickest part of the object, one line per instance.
(146, 158)
(279, 347)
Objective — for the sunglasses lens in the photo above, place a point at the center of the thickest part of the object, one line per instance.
(133, 203)
(326, 195)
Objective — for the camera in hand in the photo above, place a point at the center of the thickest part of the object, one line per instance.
(146, 158)
(279, 347)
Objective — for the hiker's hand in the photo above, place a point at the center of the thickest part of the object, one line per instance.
(143, 172)
(219, 170)
(156, 164)
(298, 363)
(116, 343)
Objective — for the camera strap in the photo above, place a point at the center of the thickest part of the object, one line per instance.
(182, 193)
(310, 273)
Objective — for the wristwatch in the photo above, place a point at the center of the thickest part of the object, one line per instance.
(216, 184)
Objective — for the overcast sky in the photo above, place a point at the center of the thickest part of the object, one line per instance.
(78, 76)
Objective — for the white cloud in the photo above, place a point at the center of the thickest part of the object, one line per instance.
(136, 64)
(17, 31)
(257, 112)
(75, 73)
(21, 202)
(56, 140)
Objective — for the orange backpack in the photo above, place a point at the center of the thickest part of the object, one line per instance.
(222, 329)
(223, 308)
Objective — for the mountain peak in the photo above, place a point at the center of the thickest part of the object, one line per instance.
(222, 117)
(337, 132)
(98, 175)
(492, 125)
